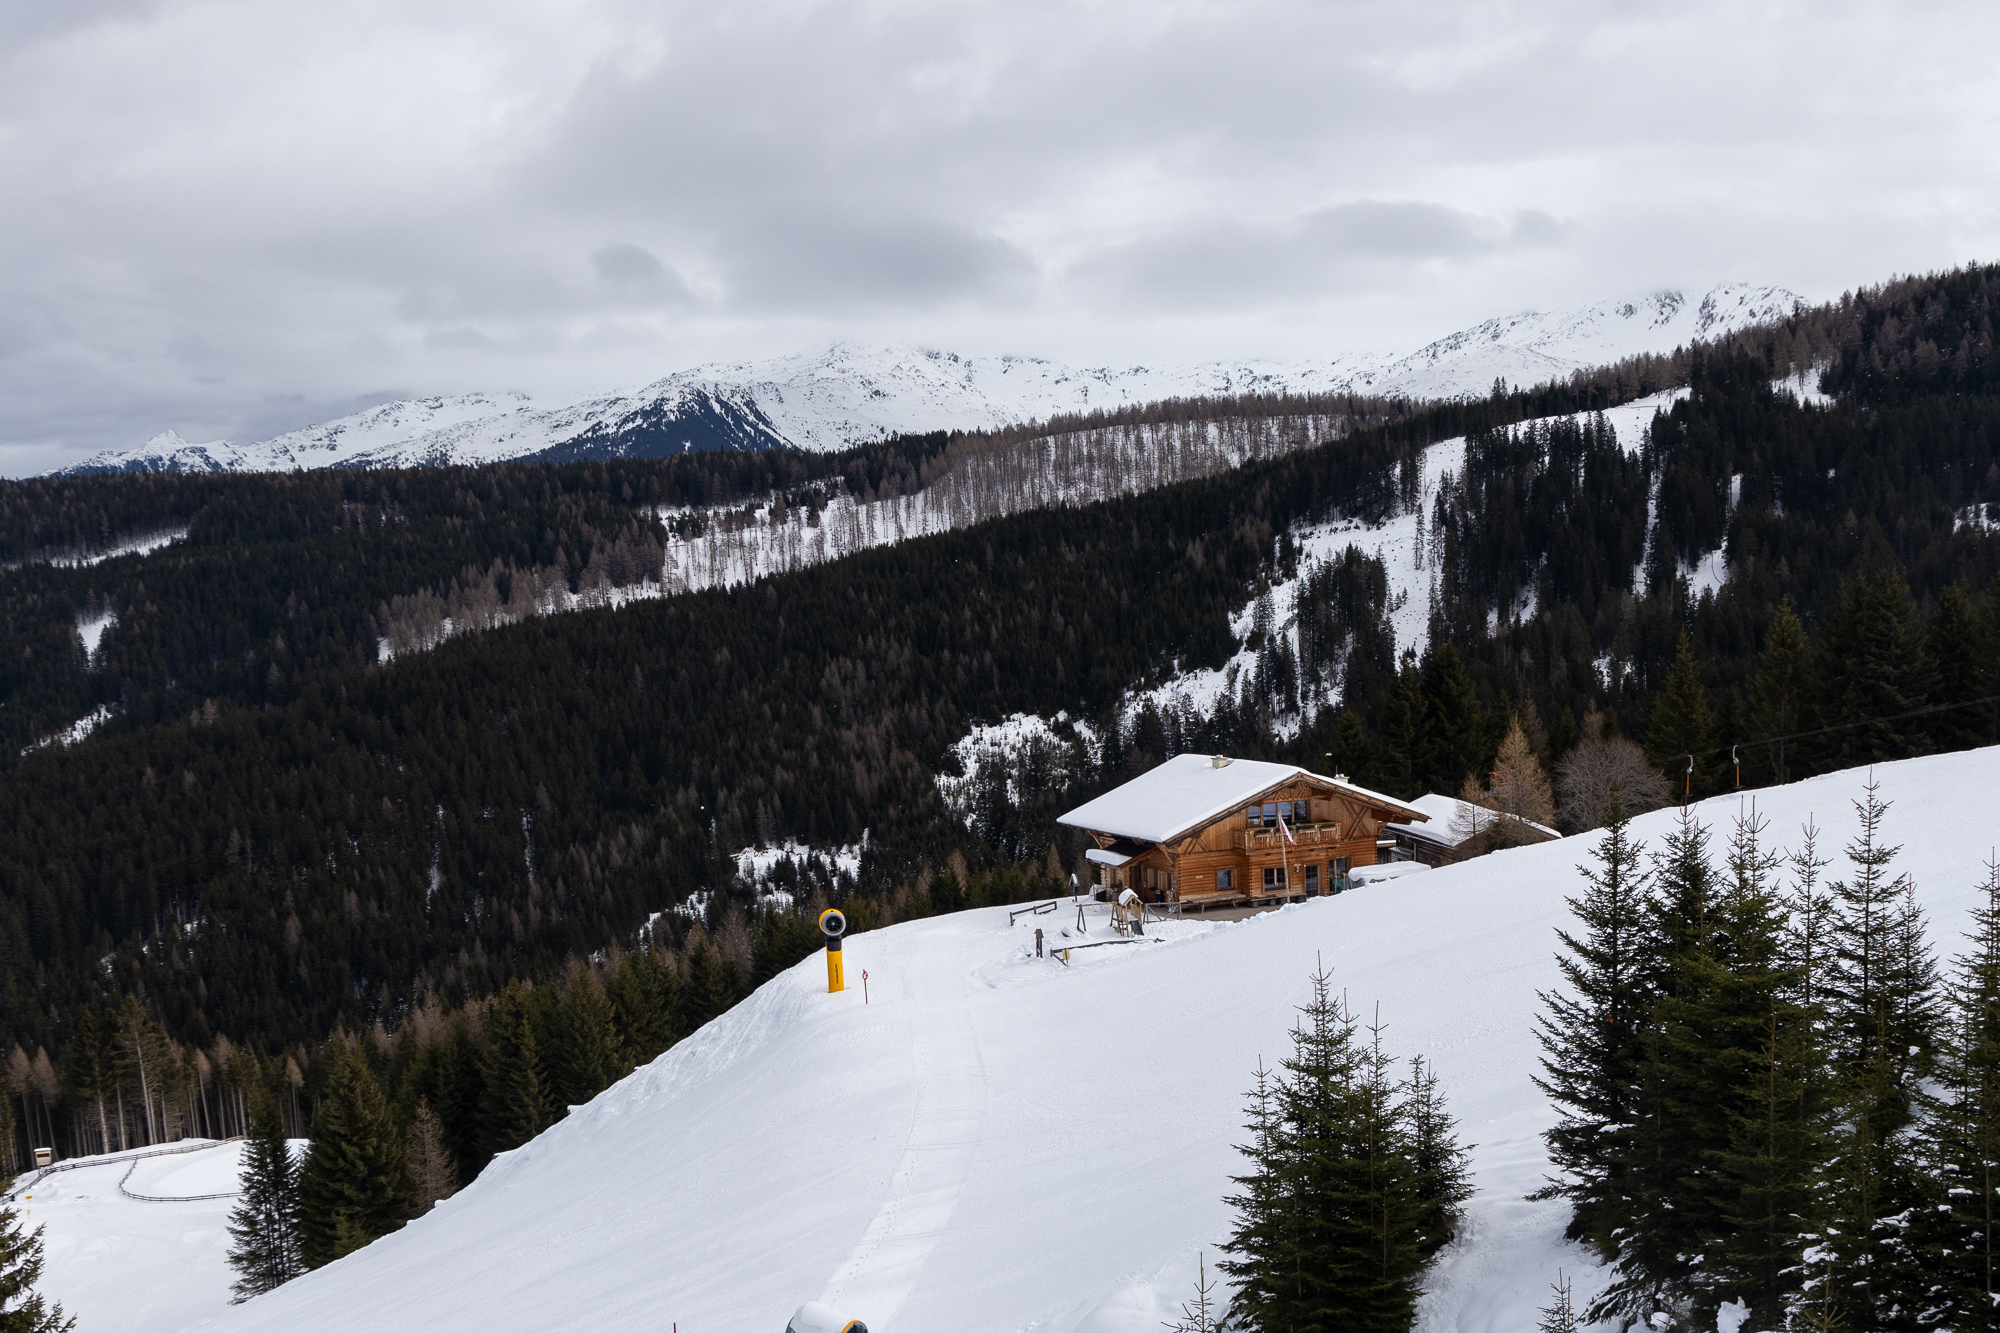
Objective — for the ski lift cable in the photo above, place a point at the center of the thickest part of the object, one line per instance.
(1845, 726)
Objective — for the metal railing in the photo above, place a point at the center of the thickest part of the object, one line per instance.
(81, 1163)
(1039, 909)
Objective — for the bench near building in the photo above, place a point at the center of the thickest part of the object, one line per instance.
(1204, 830)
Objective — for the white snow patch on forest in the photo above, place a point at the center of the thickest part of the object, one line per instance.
(144, 544)
(75, 731)
(960, 1152)
(1020, 740)
(91, 628)
(759, 866)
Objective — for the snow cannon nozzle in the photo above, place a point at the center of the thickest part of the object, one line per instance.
(833, 924)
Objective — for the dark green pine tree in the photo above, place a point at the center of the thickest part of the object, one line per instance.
(1353, 751)
(1881, 1007)
(1680, 723)
(1760, 1057)
(1262, 1240)
(1402, 755)
(264, 1225)
(1592, 1034)
(1780, 694)
(645, 995)
(1676, 1128)
(1328, 1235)
(1960, 654)
(518, 1104)
(22, 1308)
(588, 1060)
(1460, 739)
(1441, 1179)
(1960, 1238)
(353, 1186)
(711, 987)
(454, 1083)
(1871, 672)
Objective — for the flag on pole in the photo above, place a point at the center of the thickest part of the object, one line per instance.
(1286, 830)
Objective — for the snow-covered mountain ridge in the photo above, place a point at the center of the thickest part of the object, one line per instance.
(851, 394)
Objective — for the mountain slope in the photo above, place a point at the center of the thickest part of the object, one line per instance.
(852, 394)
(993, 1142)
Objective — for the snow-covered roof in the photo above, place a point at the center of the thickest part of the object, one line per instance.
(1097, 856)
(1189, 790)
(1442, 810)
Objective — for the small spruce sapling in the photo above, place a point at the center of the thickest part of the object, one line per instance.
(1197, 1315)
(1558, 1316)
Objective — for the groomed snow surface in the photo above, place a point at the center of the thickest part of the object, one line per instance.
(993, 1142)
(122, 1265)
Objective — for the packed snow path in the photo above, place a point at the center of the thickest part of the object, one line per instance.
(938, 1152)
(998, 1143)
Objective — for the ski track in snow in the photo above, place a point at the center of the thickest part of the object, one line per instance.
(943, 1138)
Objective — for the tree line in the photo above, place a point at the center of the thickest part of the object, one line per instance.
(1771, 1095)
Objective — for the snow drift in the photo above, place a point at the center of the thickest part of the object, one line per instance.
(996, 1142)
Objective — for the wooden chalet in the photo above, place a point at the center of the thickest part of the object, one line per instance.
(1205, 830)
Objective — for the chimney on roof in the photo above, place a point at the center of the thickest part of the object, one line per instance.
(1340, 777)
(1218, 761)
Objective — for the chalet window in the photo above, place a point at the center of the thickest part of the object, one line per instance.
(1312, 881)
(1225, 879)
(1300, 813)
(1256, 816)
(1271, 814)
(1274, 877)
(1338, 872)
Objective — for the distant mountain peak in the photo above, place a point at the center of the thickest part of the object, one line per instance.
(850, 393)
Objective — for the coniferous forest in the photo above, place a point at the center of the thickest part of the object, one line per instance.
(295, 884)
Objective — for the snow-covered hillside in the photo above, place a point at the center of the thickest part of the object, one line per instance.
(996, 1142)
(123, 1264)
(851, 394)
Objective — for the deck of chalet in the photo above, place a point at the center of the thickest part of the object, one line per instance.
(1204, 831)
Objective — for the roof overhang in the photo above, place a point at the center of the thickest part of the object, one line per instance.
(1098, 856)
(1186, 794)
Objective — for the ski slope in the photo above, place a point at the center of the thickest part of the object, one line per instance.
(998, 1143)
(125, 1265)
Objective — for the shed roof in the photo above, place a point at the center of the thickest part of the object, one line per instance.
(1189, 790)
(1442, 808)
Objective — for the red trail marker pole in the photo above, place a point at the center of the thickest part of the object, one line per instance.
(864, 985)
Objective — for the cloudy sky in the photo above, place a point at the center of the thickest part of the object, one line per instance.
(235, 217)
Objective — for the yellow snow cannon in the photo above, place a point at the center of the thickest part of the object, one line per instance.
(833, 924)
(816, 1318)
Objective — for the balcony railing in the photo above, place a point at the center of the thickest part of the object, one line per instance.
(1303, 835)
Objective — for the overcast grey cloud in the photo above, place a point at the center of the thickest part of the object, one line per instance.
(233, 217)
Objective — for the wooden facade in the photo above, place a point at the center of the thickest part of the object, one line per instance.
(1242, 855)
